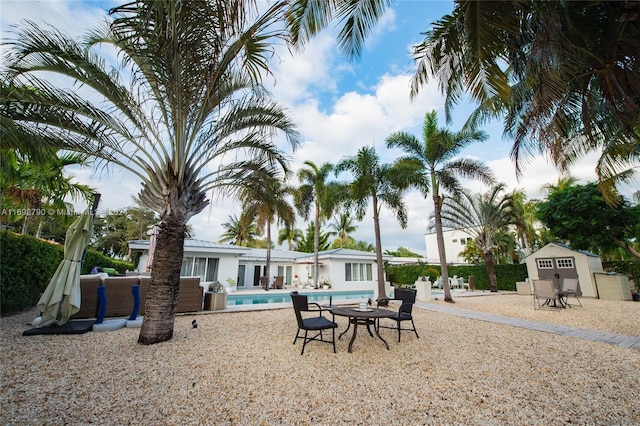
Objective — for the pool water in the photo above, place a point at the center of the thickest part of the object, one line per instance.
(319, 297)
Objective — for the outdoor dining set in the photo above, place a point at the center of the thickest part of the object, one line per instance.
(363, 314)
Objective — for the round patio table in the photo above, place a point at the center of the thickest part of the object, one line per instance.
(362, 317)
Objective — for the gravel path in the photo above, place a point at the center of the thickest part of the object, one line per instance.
(240, 368)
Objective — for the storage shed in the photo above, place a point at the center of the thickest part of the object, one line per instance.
(556, 261)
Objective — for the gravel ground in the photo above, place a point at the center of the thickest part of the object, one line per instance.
(240, 368)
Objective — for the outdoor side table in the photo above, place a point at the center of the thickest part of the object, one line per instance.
(366, 317)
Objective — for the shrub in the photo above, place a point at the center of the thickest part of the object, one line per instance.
(27, 264)
(507, 275)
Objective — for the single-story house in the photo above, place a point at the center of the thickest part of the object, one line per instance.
(343, 269)
(556, 261)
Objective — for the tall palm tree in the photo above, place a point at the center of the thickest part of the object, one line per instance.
(324, 196)
(189, 116)
(240, 231)
(563, 75)
(268, 202)
(483, 216)
(438, 169)
(343, 226)
(380, 184)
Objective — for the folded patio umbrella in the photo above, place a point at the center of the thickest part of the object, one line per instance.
(61, 298)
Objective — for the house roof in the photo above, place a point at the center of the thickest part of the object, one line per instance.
(343, 253)
(565, 246)
(195, 246)
(259, 254)
(276, 255)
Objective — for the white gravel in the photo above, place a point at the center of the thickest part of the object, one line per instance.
(241, 368)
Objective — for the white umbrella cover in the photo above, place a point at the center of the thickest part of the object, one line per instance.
(61, 299)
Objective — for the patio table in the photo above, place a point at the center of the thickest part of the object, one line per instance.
(367, 317)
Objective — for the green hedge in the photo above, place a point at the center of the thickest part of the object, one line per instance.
(507, 275)
(27, 264)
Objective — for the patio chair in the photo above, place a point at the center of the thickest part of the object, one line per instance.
(278, 282)
(545, 290)
(316, 323)
(570, 287)
(408, 298)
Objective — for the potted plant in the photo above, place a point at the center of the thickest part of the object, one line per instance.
(326, 284)
(231, 285)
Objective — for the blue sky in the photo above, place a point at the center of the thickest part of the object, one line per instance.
(340, 107)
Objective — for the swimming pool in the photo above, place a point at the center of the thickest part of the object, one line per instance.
(314, 296)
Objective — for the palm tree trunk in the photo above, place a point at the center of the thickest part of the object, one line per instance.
(491, 271)
(444, 272)
(382, 293)
(316, 244)
(25, 223)
(267, 270)
(162, 297)
(40, 226)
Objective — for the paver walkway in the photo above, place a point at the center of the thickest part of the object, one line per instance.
(632, 342)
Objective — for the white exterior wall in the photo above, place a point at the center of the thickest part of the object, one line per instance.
(451, 248)
(338, 278)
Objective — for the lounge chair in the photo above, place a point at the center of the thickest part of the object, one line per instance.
(545, 290)
(570, 287)
(313, 324)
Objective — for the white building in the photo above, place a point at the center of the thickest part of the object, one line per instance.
(343, 269)
(454, 242)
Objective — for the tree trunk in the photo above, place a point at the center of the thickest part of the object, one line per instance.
(444, 272)
(491, 271)
(162, 297)
(382, 292)
(267, 270)
(40, 226)
(316, 244)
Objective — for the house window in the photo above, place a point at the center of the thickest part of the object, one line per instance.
(455, 240)
(204, 267)
(358, 271)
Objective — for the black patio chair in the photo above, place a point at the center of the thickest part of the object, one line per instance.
(313, 324)
(408, 298)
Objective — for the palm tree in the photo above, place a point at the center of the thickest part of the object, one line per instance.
(437, 168)
(42, 185)
(291, 235)
(342, 226)
(266, 199)
(564, 182)
(383, 185)
(562, 75)
(190, 117)
(324, 196)
(524, 219)
(483, 216)
(307, 18)
(240, 231)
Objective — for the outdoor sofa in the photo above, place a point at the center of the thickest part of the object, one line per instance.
(120, 297)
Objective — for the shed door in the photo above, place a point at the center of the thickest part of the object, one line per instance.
(556, 268)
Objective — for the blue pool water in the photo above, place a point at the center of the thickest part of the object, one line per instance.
(314, 296)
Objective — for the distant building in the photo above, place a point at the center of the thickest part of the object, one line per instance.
(454, 242)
